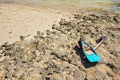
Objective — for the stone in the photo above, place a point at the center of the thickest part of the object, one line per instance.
(2, 72)
(2, 58)
(63, 22)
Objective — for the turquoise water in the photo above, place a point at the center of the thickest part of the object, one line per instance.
(113, 5)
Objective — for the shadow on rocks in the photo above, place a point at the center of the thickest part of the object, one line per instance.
(84, 61)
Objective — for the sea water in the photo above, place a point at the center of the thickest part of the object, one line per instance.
(113, 5)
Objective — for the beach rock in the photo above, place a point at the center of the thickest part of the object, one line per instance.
(55, 26)
(64, 22)
(2, 72)
(54, 55)
(79, 75)
(2, 58)
(116, 19)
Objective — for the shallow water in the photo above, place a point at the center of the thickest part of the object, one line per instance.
(113, 5)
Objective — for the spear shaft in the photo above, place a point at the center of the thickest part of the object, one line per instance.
(103, 38)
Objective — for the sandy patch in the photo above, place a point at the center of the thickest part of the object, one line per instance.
(16, 20)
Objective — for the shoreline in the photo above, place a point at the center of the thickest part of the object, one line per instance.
(65, 8)
(21, 20)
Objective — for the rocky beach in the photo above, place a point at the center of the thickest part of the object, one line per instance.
(54, 53)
